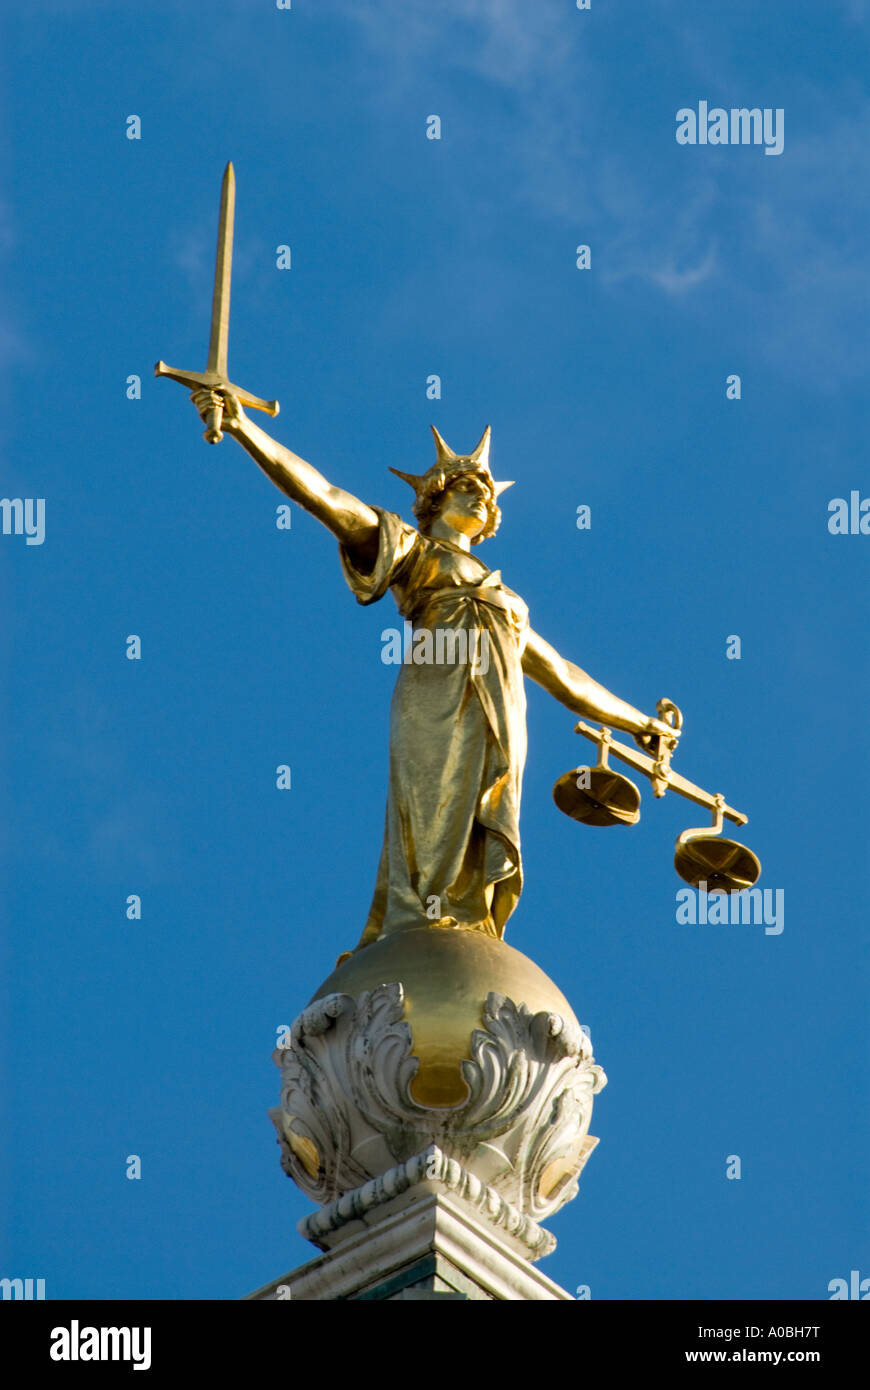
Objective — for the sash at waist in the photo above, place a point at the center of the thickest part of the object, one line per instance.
(490, 594)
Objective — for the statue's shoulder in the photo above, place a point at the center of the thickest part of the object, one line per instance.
(394, 521)
(400, 541)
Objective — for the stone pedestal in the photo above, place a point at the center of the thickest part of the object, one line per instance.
(435, 1247)
(434, 1124)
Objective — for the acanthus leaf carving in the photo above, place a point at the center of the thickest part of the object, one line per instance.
(346, 1079)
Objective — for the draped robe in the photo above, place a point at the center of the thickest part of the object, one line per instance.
(451, 849)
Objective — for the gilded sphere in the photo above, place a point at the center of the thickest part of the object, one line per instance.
(446, 974)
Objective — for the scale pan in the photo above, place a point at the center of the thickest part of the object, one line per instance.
(610, 798)
(724, 865)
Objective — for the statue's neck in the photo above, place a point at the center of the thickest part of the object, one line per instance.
(442, 531)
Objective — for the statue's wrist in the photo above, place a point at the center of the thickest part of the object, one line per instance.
(236, 426)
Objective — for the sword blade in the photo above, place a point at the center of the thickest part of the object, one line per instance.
(223, 268)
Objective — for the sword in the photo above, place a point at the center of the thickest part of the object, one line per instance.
(215, 375)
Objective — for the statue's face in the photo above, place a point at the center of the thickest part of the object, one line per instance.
(464, 505)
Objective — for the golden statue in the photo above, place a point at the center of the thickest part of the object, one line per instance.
(451, 849)
(451, 852)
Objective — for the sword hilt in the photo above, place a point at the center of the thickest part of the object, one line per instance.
(213, 434)
(215, 381)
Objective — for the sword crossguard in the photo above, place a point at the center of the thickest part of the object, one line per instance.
(213, 381)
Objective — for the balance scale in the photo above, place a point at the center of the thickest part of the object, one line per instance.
(601, 796)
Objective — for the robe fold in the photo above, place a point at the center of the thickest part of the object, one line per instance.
(451, 850)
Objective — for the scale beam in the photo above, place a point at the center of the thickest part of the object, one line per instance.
(600, 795)
(651, 768)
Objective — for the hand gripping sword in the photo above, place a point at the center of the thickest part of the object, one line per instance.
(215, 375)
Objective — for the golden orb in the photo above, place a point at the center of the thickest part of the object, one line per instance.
(446, 974)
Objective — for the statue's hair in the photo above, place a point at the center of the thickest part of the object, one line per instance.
(430, 495)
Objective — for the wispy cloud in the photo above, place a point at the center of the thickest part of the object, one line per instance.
(784, 238)
(506, 43)
(115, 816)
(675, 281)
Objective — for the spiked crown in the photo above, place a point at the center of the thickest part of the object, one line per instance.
(448, 466)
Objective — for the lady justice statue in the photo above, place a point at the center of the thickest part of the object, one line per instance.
(451, 851)
(447, 1057)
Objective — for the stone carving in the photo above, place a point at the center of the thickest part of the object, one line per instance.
(347, 1115)
(434, 1171)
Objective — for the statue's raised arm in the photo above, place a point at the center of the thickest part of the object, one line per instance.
(351, 521)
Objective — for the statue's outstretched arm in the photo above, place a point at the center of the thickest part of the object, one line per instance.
(574, 688)
(350, 520)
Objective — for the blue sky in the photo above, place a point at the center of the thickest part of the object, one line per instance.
(604, 387)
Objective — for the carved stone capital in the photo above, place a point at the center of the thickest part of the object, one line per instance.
(347, 1116)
